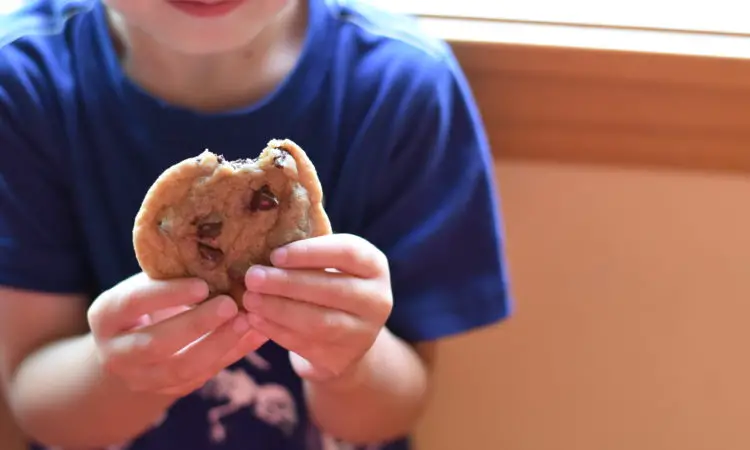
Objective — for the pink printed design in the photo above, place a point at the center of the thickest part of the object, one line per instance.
(315, 440)
(271, 403)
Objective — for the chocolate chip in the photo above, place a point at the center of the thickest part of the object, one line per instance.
(221, 159)
(263, 200)
(279, 160)
(209, 230)
(210, 254)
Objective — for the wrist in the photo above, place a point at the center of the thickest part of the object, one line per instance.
(81, 398)
(360, 371)
(114, 386)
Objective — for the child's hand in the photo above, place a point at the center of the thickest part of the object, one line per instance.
(176, 353)
(328, 319)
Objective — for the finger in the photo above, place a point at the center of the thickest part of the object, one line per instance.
(296, 343)
(156, 343)
(344, 252)
(196, 361)
(183, 389)
(328, 289)
(289, 339)
(118, 308)
(250, 342)
(310, 320)
(306, 370)
(164, 314)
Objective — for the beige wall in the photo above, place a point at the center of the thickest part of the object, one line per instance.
(632, 296)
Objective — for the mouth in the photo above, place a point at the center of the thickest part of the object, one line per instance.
(206, 8)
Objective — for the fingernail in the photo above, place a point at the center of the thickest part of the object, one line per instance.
(279, 256)
(241, 325)
(251, 300)
(227, 308)
(255, 276)
(199, 289)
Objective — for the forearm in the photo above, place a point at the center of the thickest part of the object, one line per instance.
(380, 401)
(61, 397)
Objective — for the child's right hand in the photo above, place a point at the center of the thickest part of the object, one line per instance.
(178, 353)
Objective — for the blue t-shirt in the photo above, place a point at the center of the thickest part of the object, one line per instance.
(384, 113)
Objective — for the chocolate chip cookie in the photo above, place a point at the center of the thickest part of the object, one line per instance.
(212, 219)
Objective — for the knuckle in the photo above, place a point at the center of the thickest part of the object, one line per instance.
(351, 255)
(115, 301)
(332, 326)
(361, 253)
(279, 276)
(324, 325)
(129, 301)
(93, 315)
(387, 309)
(346, 287)
(380, 259)
(376, 260)
(381, 306)
(100, 308)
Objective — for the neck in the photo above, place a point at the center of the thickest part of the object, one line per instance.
(214, 82)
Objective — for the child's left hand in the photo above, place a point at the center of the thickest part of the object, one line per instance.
(325, 300)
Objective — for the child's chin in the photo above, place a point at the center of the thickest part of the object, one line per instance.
(207, 43)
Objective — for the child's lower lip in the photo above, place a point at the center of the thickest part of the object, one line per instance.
(200, 9)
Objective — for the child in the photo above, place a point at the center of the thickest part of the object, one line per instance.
(98, 98)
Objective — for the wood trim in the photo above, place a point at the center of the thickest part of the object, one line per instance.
(721, 16)
(625, 108)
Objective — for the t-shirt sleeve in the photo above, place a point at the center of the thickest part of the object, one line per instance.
(39, 239)
(436, 214)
